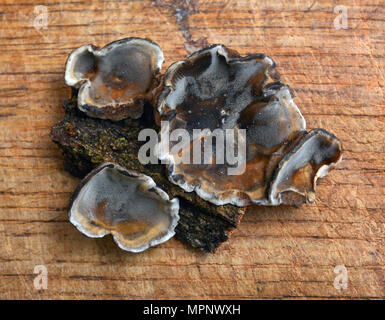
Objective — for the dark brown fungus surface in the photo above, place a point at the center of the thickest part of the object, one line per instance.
(125, 204)
(215, 88)
(115, 81)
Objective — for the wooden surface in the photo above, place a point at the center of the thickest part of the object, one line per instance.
(338, 77)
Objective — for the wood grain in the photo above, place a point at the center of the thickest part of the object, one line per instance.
(338, 77)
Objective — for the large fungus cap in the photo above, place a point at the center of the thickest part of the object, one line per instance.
(126, 204)
(215, 88)
(115, 81)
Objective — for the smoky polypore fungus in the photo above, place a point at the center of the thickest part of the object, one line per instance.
(215, 88)
(125, 204)
(115, 81)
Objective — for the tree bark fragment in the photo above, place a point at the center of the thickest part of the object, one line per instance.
(87, 142)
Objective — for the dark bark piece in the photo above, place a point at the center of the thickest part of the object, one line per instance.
(87, 142)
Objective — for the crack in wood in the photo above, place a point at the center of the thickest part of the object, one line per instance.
(182, 9)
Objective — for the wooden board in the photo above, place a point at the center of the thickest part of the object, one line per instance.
(338, 77)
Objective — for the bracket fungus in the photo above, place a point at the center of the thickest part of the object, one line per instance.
(216, 88)
(126, 204)
(213, 92)
(115, 81)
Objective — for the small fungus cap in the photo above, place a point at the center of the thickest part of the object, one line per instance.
(295, 177)
(115, 81)
(216, 88)
(125, 204)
